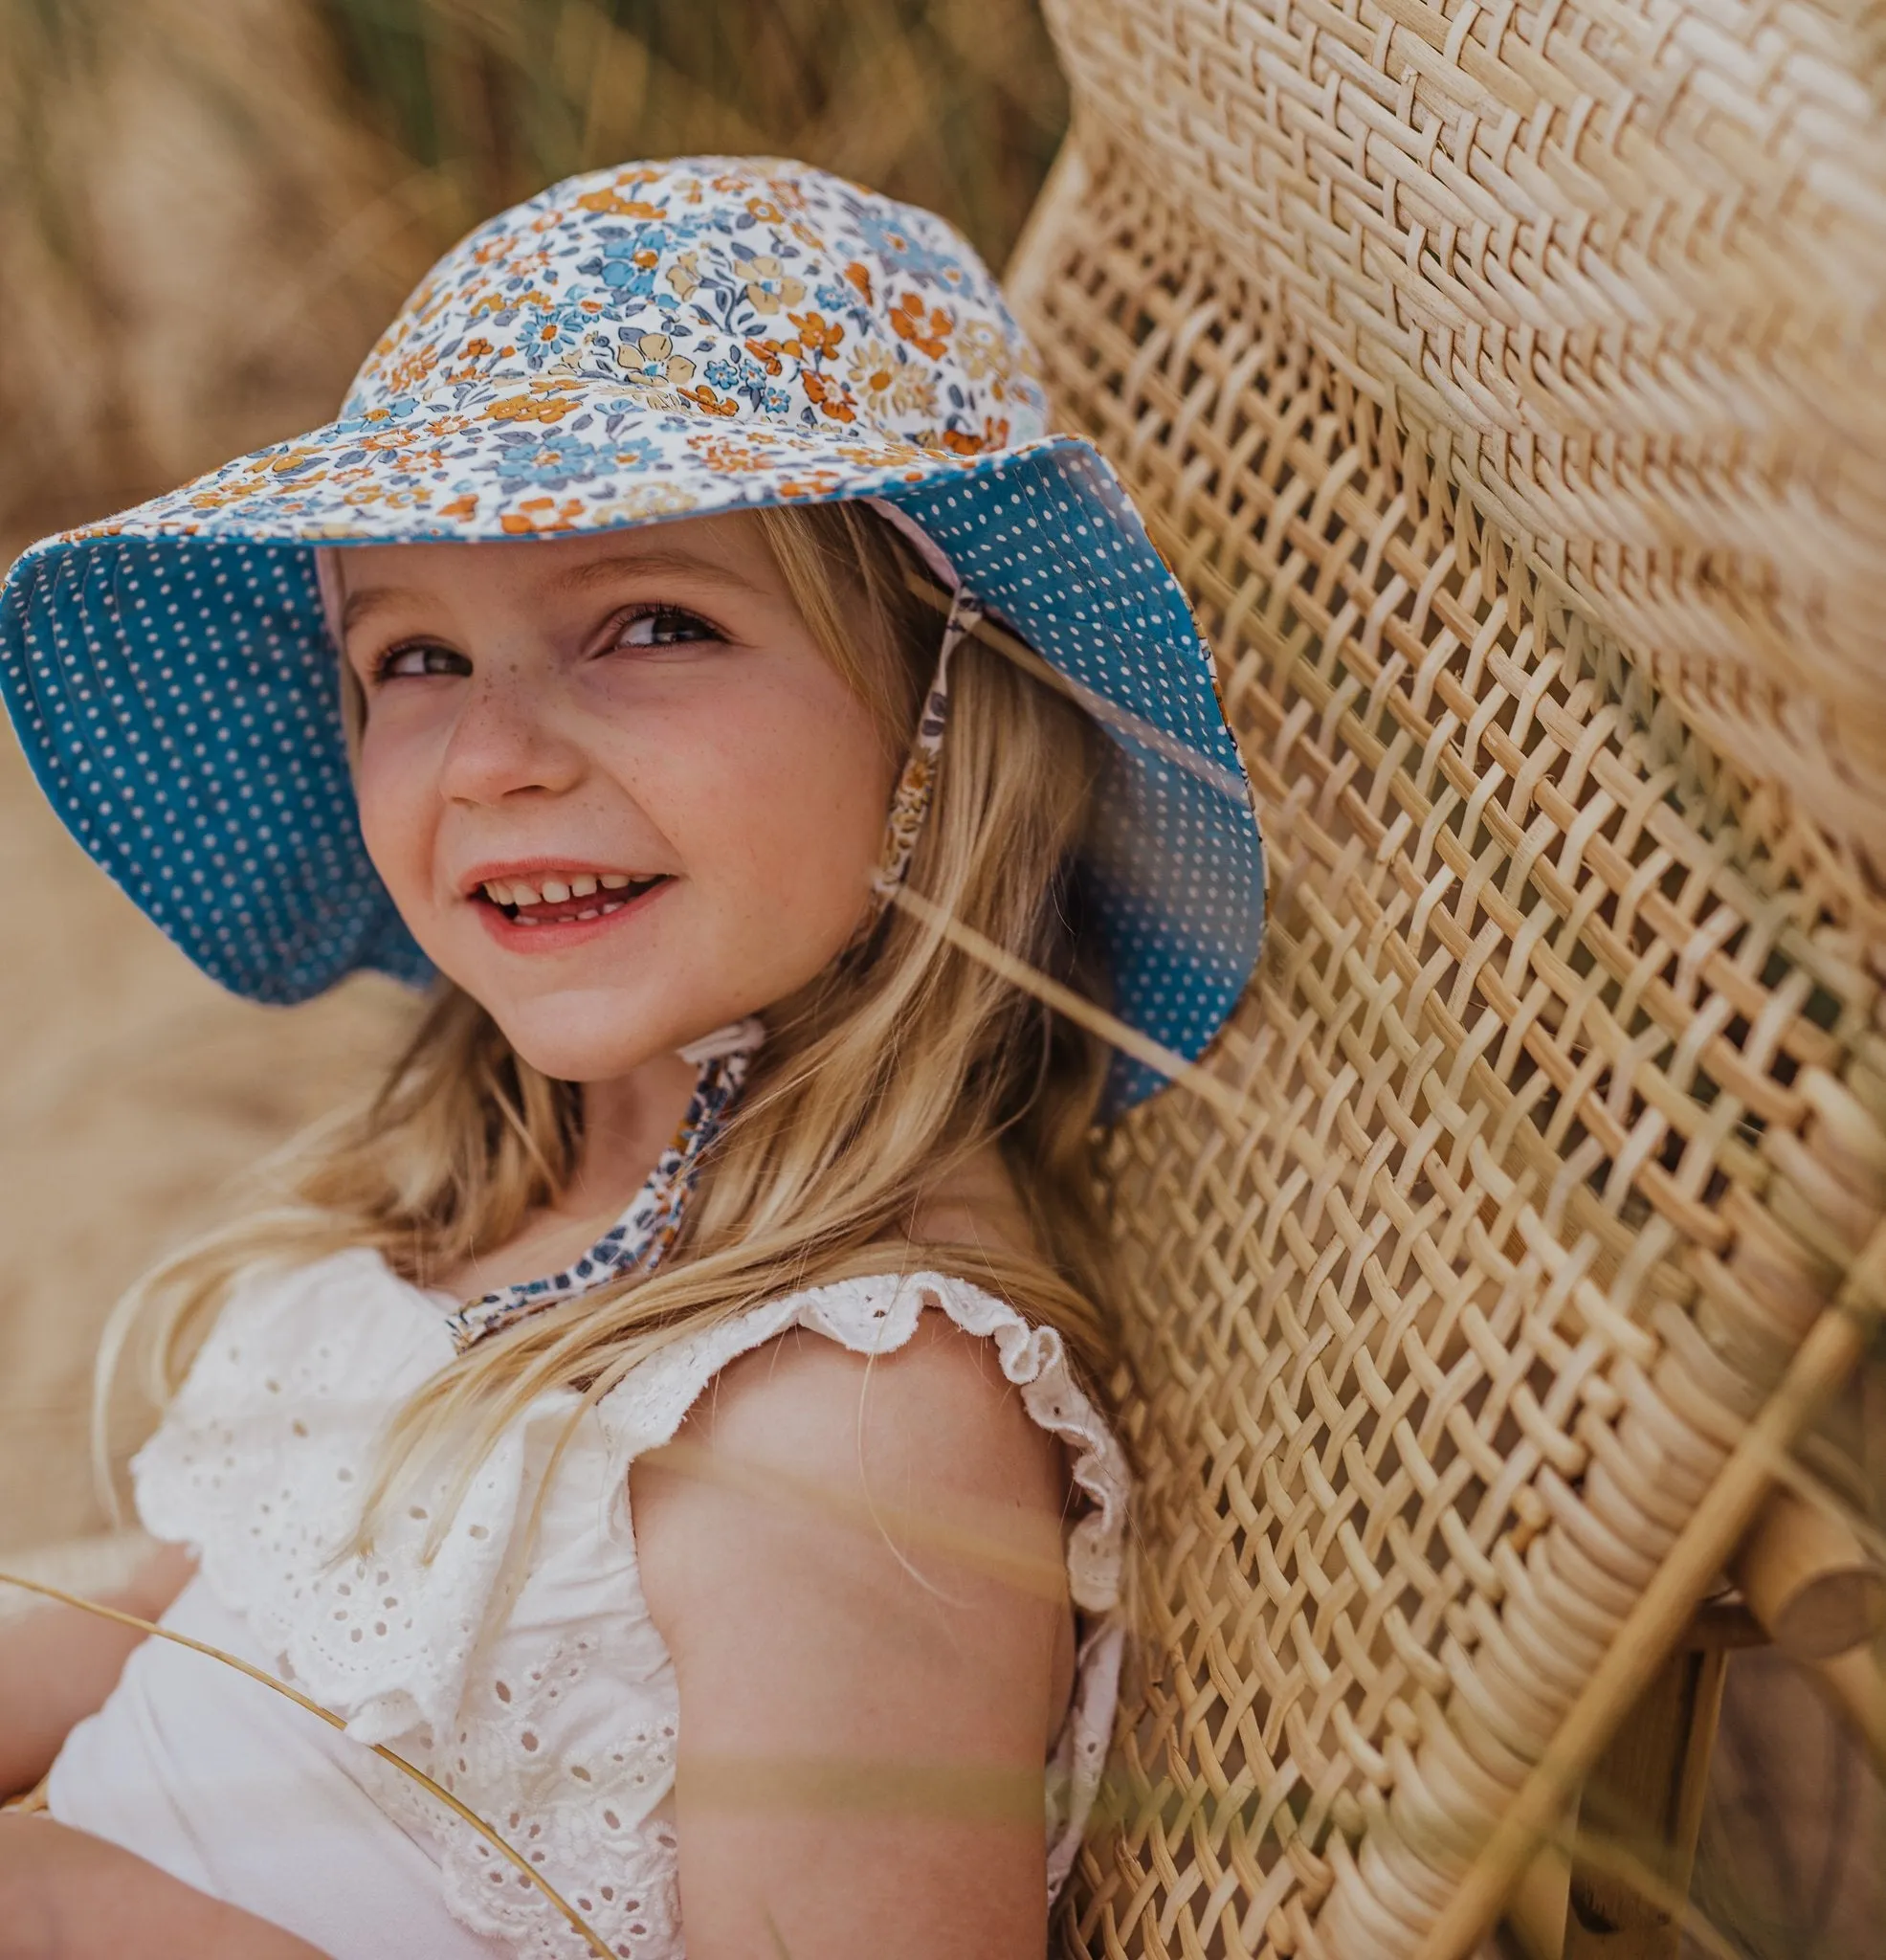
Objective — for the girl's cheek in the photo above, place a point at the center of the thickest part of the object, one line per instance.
(393, 796)
(810, 837)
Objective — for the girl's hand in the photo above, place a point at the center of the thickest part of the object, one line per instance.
(66, 1896)
(857, 1567)
(57, 1665)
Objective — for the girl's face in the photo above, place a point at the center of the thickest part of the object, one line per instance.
(615, 788)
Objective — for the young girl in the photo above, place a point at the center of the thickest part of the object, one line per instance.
(758, 1571)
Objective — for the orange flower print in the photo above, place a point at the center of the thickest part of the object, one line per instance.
(706, 399)
(654, 359)
(609, 204)
(465, 508)
(508, 302)
(395, 438)
(542, 514)
(765, 210)
(817, 483)
(530, 408)
(766, 354)
(818, 338)
(208, 500)
(859, 276)
(893, 452)
(960, 442)
(831, 399)
(730, 456)
(409, 375)
(769, 288)
(927, 335)
(294, 462)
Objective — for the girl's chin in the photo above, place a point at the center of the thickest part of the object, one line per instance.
(589, 1047)
(577, 1029)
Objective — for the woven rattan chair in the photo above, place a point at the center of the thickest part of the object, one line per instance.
(1504, 382)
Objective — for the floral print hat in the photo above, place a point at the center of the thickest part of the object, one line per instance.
(661, 339)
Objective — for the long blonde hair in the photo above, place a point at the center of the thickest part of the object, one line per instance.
(884, 1074)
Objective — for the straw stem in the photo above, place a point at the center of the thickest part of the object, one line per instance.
(143, 1626)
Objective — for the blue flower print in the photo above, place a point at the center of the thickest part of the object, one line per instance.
(395, 409)
(906, 254)
(553, 462)
(546, 335)
(626, 265)
(724, 374)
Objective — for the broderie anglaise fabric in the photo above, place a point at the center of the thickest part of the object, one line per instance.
(535, 1688)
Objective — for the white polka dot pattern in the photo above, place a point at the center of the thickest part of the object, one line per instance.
(649, 343)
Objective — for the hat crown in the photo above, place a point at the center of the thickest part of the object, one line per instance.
(721, 290)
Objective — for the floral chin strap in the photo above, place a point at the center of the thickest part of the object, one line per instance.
(910, 801)
(640, 1241)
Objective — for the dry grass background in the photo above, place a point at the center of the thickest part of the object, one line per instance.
(208, 209)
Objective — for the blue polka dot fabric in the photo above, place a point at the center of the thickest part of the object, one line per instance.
(633, 345)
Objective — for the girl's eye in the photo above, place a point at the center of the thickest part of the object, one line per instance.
(664, 626)
(404, 662)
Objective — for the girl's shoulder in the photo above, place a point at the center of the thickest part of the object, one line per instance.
(926, 1357)
(321, 1351)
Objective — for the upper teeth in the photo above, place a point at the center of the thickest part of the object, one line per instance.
(553, 891)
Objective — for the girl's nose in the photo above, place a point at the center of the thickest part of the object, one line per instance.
(505, 743)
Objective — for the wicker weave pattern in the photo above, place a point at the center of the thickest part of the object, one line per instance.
(1631, 257)
(1576, 1108)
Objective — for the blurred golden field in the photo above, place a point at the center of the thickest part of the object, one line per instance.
(208, 211)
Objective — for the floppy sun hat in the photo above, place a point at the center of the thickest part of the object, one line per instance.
(662, 340)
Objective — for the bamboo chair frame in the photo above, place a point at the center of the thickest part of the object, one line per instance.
(1512, 429)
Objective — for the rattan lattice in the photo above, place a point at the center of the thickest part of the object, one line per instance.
(1631, 257)
(1570, 1055)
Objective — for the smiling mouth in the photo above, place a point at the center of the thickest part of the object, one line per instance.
(562, 900)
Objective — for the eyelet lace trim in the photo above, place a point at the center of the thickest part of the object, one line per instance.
(543, 1697)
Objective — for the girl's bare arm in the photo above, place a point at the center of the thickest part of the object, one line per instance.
(67, 1896)
(57, 1665)
(857, 1567)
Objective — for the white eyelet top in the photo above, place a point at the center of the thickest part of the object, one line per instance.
(530, 1682)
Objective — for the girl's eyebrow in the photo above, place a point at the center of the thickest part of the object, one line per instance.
(598, 571)
(365, 600)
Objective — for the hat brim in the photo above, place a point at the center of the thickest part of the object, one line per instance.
(176, 692)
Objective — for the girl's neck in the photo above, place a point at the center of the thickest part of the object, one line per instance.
(627, 1123)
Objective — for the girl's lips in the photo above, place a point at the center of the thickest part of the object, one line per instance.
(558, 928)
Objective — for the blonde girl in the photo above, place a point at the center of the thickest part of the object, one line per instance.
(672, 1417)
